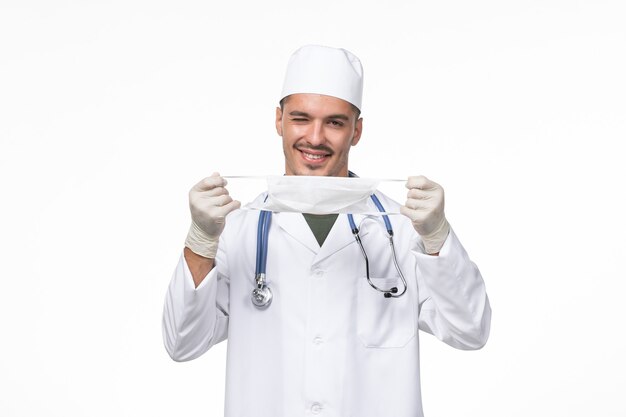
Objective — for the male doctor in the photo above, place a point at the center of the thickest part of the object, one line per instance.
(329, 344)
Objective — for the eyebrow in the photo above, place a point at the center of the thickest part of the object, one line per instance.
(299, 113)
(339, 116)
(333, 116)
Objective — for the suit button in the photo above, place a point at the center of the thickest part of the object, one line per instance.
(318, 273)
(318, 340)
(316, 408)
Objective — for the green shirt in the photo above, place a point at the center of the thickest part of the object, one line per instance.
(320, 225)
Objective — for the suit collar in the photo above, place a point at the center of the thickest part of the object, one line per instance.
(296, 226)
(338, 238)
(340, 234)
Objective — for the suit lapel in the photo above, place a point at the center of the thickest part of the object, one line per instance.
(296, 226)
(339, 237)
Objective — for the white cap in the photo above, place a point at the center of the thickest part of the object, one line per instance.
(324, 70)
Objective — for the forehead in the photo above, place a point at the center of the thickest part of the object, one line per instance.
(317, 104)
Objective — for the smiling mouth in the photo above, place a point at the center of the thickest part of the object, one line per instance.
(314, 156)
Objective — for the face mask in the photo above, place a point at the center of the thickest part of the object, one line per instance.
(318, 195)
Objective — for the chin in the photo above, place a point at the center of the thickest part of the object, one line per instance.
(319, 172)
(308, 171)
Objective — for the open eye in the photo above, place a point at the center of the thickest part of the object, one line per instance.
(336, 123)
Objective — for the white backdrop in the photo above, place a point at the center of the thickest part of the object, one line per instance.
(110, 112)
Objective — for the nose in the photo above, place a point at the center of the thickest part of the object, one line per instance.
(316, 135)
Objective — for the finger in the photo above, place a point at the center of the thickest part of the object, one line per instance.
(418, 194)
(217, 174)
(227, 208)
(416, 216)
(209, 183)
(420, 182)
(405, 211)
(221, 200)
(214, 192)
(415, 205)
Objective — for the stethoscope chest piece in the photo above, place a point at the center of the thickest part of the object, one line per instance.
(262, 296)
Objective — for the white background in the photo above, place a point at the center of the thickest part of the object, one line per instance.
(110, 112)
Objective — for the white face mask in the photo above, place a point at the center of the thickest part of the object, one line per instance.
(318, 194)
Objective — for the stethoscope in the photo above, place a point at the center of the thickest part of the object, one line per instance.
(262, 294)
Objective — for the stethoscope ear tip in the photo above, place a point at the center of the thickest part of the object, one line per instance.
(393, 290)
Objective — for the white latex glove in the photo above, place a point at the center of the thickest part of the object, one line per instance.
(209, 203)
(424, 206)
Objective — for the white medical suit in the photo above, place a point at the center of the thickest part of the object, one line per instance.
(329, 344)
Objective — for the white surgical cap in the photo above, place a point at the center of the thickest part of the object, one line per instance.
(324, 70)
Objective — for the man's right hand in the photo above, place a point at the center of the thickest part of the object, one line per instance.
(209, 203)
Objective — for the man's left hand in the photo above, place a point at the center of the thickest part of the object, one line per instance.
(425, 207)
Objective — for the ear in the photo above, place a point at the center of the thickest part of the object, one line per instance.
(358, 128)
(279, 121)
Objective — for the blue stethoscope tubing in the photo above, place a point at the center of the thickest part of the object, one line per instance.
(262, 295)
(265, 219)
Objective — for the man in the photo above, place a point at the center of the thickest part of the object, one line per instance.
(328, 344)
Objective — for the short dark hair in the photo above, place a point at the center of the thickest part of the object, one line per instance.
(355, 109)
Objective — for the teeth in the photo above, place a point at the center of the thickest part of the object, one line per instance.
(311, 156)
